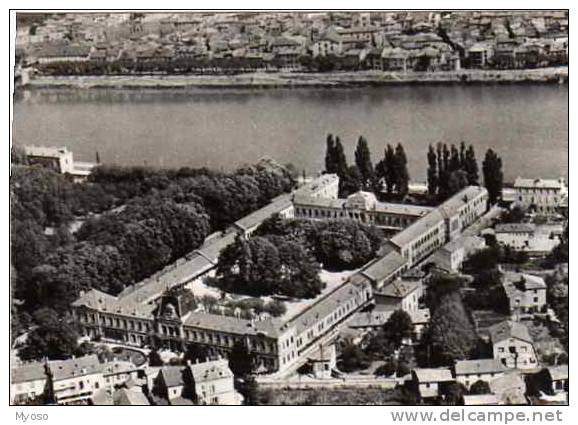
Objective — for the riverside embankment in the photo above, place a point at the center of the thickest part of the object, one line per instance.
(295, 79)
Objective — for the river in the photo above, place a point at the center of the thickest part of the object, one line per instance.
(224, 128)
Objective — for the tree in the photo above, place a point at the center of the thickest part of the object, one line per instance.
(155, 359)
(401, 173)
(265, 265)
(339, 158)
(458, 180)
(398, 327)
(386, 169)
(454, 393)
(330, 164)
(195, 353)
(240, 360)
(514, 215)
(451, 334)
(352, 358)
(480, 387)
(432, 171)
(493, 176)
(363, 162)
(350, 181)
(470, 166)
(53, 337)
(455, 163)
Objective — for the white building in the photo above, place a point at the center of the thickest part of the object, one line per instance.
(468, 372)
(515, 235)
(526, 293)
(513, 345)
(58, 159)
(451, 256)
(427, 382)
(27, 382)
(545, 195)
(75, 380)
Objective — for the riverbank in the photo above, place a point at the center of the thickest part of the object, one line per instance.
(294, 79)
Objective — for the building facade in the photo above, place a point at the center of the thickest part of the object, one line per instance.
(543, 195)
(513, 346)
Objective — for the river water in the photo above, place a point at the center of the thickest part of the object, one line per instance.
(526, 124)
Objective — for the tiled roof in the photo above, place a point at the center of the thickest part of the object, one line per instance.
(481, 400)
(254, 219)
(127, 397)
(398, 288)
(509, 329)
(539, 183)
(323, 307)
(28, 372)
(79, 366)
(433, 375)
(172, 376)
(382, 268)
(233, 325)
(558, 372)
(468, 243)
(468, 367)
(211, 370)
(514, 281)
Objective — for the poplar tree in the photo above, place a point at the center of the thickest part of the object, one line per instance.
(363, 162)
(432, 171)
(330, 165)
(493, 175)
(401, 173)
(471, 166)
(339, 158)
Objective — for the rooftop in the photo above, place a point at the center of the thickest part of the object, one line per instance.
(539, 183)
(28, 373)
(509, 329)
(480, 366)
(515, 228)
(211, 370)
(382, 268)
(433, 375)
(398, 288)
(79, 366)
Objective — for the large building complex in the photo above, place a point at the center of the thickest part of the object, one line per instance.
(544, 195)
(159, 312)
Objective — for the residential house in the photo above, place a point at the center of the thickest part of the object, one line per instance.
(74, 381)
(428, 383)
(327, 45)
(526, 293)
(515, 235)
(468, 372)
(169, 383)
(28, 381)
(512, 345)
(213, 383)
(399, 295)
(480, 54)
